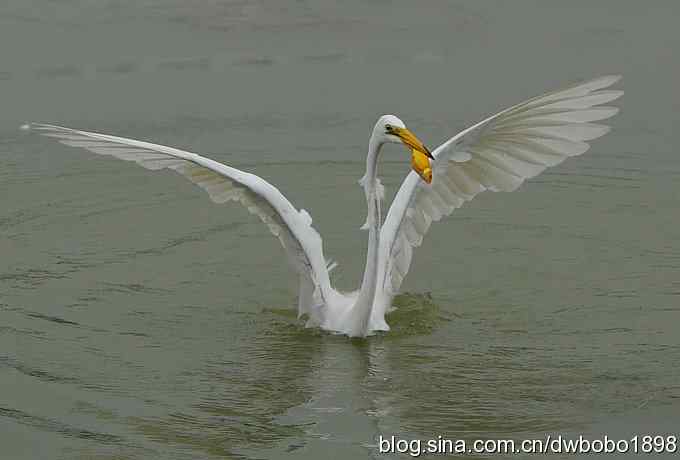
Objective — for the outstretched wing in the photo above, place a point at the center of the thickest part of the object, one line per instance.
(496, 154)
(292, 227)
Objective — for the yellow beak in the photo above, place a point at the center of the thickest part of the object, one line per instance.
(410, 140)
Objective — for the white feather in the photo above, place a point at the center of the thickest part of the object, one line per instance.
(294, 229)
(496, 154)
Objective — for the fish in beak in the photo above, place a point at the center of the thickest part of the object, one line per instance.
(420, 155)
(421, 164)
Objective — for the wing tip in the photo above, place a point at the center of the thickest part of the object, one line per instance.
(602, 82)
(613, 110)
(32, 126)
(612, 78)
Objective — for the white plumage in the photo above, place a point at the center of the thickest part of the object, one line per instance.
(497, 154)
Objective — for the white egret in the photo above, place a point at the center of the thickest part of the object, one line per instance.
(496, 154)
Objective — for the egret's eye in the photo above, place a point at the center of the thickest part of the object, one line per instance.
(388, 128)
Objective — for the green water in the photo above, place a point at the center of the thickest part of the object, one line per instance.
(139, 320)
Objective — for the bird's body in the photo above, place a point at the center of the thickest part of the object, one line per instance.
(496, 154)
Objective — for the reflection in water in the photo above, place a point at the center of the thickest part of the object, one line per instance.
(302, 389)
(292, 388)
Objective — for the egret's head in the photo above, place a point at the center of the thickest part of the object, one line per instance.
(391, 129)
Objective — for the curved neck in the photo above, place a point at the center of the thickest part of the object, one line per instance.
(374, 192)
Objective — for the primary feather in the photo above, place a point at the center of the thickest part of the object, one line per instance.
(497, 154)
(293, 228)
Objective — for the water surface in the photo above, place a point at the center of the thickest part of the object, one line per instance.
(139, 320)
